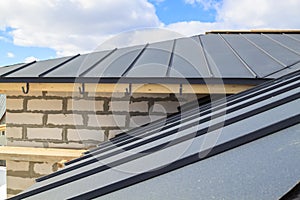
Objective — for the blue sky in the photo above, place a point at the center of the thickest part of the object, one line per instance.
(171, 11)
(39, 30)
(12, 54)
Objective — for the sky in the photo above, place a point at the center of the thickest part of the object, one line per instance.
(38, 30)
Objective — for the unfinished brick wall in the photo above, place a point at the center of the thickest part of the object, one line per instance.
(72, 120)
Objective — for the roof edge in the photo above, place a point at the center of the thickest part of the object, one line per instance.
(266, 31)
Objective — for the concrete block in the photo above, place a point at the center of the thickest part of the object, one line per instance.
(106, 120)
(19, 183)
(65, 119)
(24, 118)
(14, 104)
(43, 168)
(17, 165)
(165, 106)
(14, 132)
(128, 107)
(85, 134)
(44, 105)
(85, 105)
(44, 133)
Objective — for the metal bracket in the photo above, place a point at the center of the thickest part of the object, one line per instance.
(128, 91)
(180, 89)
(82, 89)
(26, 91)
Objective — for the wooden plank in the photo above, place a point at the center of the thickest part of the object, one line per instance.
(121, 88)
(38, 154)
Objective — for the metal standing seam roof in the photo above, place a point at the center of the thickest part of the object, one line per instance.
(2, 105)
(148, 162)
(243, 58)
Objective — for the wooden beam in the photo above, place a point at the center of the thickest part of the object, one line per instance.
(38, 154)
(121, 88)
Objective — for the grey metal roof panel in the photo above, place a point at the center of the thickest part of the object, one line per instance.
(287, 70)
(153, 62)
(257, 60)
(189, 59)
(222, 60)
(2, 105)
(117, 63)
(279, 53)
(37, 68)
(6, 69)
(287, 42)
(295, 37)
(251, 113)
(79, 65)
(248, 172)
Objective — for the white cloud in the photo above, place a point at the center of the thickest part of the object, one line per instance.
(157, 2)
(70, 26)
(207, 4)
(260, 14)
(137, 37)
(78, 26)
(10, 55)
(30, 59)
(244, 15)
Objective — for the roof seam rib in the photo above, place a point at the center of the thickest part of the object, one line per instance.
(205, 57)
(287, 67)
(291, 37)
(265, 52)
(57, 66)
(19, 68)
(135, 60)
(279, 43)
(171, 59)
(238, 56)
(96, 63)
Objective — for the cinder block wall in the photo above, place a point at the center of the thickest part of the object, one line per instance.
(72, 120)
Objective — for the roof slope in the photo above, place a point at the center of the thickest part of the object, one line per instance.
(2, 105)
(196, 147)
(247, 56)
